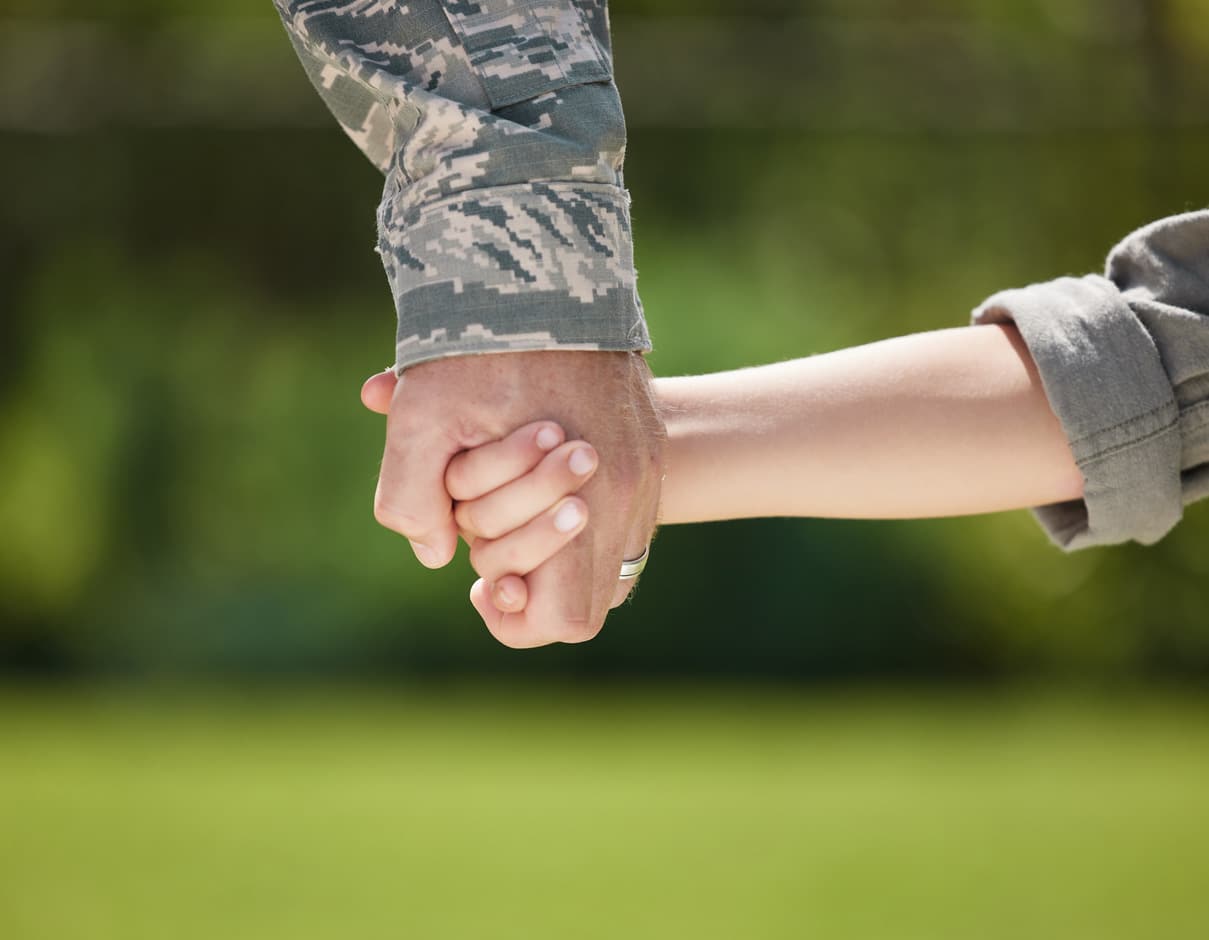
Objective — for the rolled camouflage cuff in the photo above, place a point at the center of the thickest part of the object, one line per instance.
(512, 268)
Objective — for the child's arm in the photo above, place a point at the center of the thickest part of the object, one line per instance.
(946, 423)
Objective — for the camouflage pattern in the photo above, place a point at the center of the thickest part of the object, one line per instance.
(504, 223)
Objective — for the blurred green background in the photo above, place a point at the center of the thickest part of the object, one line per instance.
(235, 706)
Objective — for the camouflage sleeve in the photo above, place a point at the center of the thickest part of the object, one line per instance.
(504, 223)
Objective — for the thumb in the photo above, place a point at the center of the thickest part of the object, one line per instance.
(377, 391)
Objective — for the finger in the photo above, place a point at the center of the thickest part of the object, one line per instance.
(557, 602)
(642, 533)
(480, 599)
(510, 594)
(556, 606)
(563, 472)
(524, 549)
(570, 594)
(377, 391)
(411, 497)
(509, 628)
(478, 471)
(625, 586)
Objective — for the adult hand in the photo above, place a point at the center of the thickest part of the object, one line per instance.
(444, 406)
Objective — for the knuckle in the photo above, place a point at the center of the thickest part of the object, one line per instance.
(547, 628)
(564, 628)
(392, 517)
(456, 482)
(512, 641)
(478, 556)
(487, 560)
(476, 520)
(490, 531)
(401, 441)
(579, 631)
(468, 430)
(464, 516)
(520, 639)
(489, 528)
(507, 558)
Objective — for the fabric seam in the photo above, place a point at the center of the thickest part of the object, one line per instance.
(612, 190)
(1172, 425)
(1120, 424)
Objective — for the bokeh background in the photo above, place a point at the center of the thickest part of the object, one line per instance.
(231, 705)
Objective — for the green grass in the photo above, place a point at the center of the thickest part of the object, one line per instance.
(731, 814)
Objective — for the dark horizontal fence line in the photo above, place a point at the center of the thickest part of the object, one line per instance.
(828, 74)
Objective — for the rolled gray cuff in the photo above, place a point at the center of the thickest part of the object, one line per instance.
(1106, 383)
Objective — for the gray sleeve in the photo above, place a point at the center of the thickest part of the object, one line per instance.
(1124, 360)
(504, 224)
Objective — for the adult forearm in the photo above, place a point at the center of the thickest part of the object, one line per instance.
(935, 424)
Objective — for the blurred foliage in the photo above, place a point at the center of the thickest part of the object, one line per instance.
(190, 308)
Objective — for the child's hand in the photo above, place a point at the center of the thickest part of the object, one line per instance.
(515, 509)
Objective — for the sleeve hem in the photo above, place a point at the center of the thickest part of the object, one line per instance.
(1106, 383)
(542, 265)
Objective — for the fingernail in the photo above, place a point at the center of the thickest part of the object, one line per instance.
(507, 594)
(427, 555)
(582, 461)
(548, 438)
(567, 517)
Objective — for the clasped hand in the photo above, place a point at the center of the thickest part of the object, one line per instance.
(476, 446)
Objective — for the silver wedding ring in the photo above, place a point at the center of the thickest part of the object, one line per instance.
(633, 568)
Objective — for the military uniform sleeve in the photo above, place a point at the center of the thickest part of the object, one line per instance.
(504, 223)
(1124, 360)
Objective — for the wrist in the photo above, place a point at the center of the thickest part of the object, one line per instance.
(695, 438)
